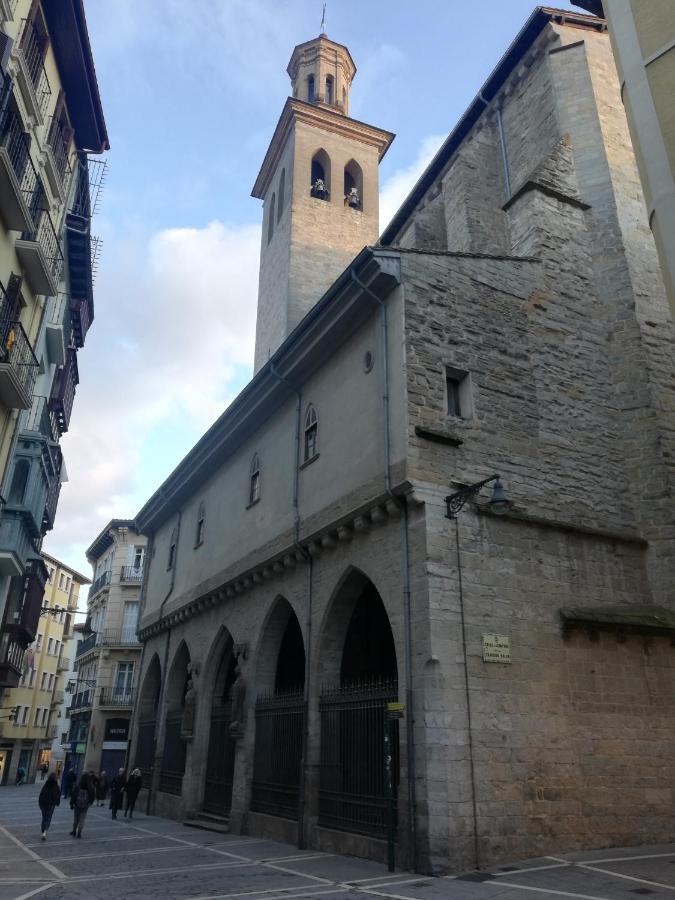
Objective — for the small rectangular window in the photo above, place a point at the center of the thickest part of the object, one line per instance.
(458, 393)
(24, 718)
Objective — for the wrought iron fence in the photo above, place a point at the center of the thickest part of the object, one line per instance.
(33, 45)
(277, 761)
(15, 142)
(16, 350)
(220, 761)
(45, 235)
(100, 582)
(58, 140)
(352, 793)
(173, 758)
(132, 574)
(114, 696)
(145, 748)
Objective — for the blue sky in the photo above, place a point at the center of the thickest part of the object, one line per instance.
(192, 93)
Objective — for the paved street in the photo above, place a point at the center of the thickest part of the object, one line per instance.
(154, 857)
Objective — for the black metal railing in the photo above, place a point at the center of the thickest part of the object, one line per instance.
(131, 573)
(100, 582)
(44, 234)
(15, 142)
(352, 795)
(277, 760)
(173, 758)
(86, 645)
(123, 636)
(83, 699)
(219, 761)
(16, 350)
(33, 44)
(145, 747)
(58, 139)
(114, 696)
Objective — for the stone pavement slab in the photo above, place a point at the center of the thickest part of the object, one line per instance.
(159, 858)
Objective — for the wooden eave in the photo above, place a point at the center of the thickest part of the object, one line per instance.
(318, 116)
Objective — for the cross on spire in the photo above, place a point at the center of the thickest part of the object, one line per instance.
(323, 20)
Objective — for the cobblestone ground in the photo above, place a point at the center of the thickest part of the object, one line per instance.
(153, 857)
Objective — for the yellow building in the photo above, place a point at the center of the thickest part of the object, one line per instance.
(642, 33)
(26, 739)
(51, 121)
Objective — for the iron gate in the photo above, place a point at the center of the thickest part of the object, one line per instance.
(277, 761)
(145, 749)
(173, 758)
(352, 795)
(220, 762)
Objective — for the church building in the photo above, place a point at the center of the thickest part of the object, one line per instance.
(441, 513)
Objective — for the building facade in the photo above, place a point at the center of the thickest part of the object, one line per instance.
(50, 122)
(107, 660)
(26, 740)
(310, 591)
(62, 751)
(642, 33)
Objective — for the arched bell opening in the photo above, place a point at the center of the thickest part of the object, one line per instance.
(320, 176)
(354, 710)
(148, 704)
(178, 715)
(279, 715)
(222, 673)
(353, 185)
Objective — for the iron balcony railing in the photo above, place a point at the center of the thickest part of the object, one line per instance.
(63, 391)
(132, 574)
(114, 696)
(16, 350)
(124, 636)
(83, 699)
(33, 45)
(86, 645)
(12, 652)
(34, 589)
(58, 139)
(44, 234)
(15, 142)
(99, 583)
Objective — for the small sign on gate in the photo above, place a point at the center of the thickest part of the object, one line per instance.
(395, 710)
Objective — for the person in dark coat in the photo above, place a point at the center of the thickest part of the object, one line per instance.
(117, 786)
(134, 784)
(49, 799)
(81, 799)
(102, 789)
(68, 782)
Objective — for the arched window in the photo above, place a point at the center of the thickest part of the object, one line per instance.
(353, 185)
(310, 88)
(282, 191)
(330, 92)
(311, 434)
(270, 220)
(17, 488)
(254, 480)
(320, 175)
(201, 517)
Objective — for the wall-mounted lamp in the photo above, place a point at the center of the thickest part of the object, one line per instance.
(498, 502)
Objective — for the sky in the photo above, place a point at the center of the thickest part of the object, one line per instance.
(191, 95)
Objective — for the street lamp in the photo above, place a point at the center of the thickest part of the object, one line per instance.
(498, 502)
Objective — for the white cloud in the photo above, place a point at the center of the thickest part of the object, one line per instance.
(397, 187)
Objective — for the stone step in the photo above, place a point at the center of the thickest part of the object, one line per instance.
(209, 822)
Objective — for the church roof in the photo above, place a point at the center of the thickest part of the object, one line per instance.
(539, 19)
(300, 49)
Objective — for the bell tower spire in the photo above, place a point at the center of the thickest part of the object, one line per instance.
(319, 187)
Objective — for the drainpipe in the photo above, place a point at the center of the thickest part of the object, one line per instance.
(407, 618)
(502, 145)
(302, 843)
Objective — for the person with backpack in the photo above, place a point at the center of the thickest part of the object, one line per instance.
(117, 785)
(50, 798)
(134, 784)
(20, 776)
(80, 801)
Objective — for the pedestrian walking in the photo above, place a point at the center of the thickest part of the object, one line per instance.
(134, 784)
(68, 782)
(44, 768)
(49, 799)
(117, 786)
(20, 776)
(80, 801)
(102, 789)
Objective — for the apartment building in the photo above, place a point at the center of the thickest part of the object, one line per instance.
(26, 739)
(61, 749)
(51, 121)
(108, 658)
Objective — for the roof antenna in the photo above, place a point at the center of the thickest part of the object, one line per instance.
(323, 20)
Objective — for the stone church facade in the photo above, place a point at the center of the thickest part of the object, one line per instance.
(302, 573)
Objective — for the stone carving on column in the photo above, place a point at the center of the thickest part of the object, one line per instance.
(238, 719)
(187, 725)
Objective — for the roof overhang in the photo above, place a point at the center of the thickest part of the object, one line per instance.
(324, 118)
(70, 41)
(540, 18)
(105, 539)
(337, 315)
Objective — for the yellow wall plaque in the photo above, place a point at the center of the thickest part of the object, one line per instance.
(496, 648)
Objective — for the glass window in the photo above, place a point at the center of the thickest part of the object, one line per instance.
(124, 680)
(199, 534)
(311, 433)
(254, 481)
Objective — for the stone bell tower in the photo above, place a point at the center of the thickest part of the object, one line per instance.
(319, 187)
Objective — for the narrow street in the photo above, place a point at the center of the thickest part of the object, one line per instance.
(153, 857)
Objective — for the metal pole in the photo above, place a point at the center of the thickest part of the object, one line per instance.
(389, 786)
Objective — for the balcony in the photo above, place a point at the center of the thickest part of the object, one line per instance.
(18, 365)
(34, 591)
(18, 177)
(40, 254)
(11, 658)
(116, 697)
(16, 542)
(119, 637)
(131, 574)
(63, 664)
(52, 732)
(81, 316)
(51, 504)
(83, 700)
(89, 643)
(58, 328)
(100, 583)
(57, 154)
(63, 392)
(58, 698)
(31, 76)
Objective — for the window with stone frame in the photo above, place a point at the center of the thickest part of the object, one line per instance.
(458, 393)
(254, 480)
(172, 549)
(311, 434)
(201, 516)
